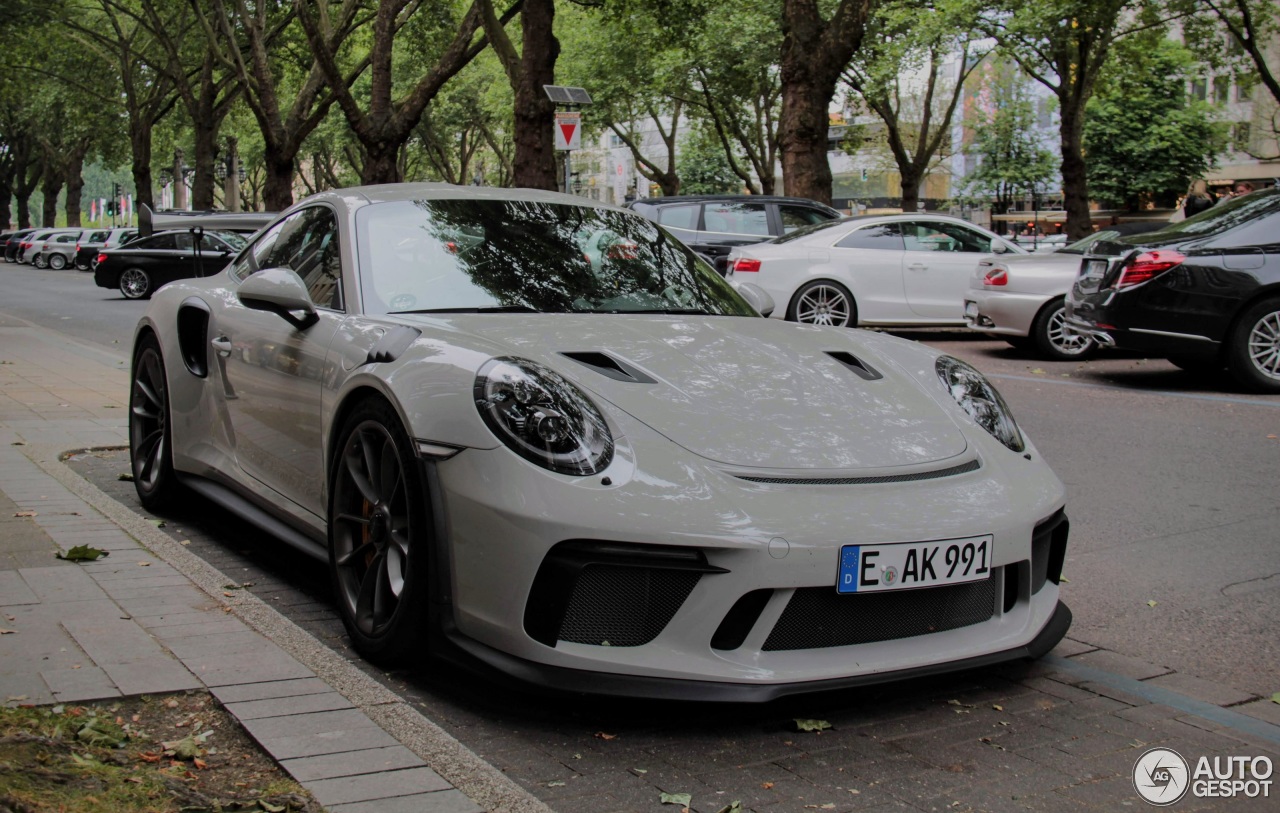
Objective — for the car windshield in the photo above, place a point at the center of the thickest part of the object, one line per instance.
(1079, 246)
(233, 239)
(805, 231)
(1227, 215)
(477, 255)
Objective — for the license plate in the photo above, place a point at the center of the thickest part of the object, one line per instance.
(1094, 268)
(971, 310)
(874, 568)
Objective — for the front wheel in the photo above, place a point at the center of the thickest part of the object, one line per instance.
(1253, 354)
(135, 284)
(379, 536)
(57, 262)
(823, 302)
(150, 435)
(1055, 340)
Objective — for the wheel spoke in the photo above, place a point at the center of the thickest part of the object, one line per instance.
(359, 551)
(368, 602)
(389, 477)
(371, 468)
(354, 460)
(359, 520)
(395, 567)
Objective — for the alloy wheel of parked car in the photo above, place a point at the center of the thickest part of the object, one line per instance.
(822, 302)
(57, 262)
(1254, 353)
(377, 528)
(40, 261)
(135, 284)
(1055, 340)
(150, 450)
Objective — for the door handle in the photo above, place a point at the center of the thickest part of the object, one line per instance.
(223, 345)
(918, 267)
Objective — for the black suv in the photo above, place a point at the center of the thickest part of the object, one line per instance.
(712, 225)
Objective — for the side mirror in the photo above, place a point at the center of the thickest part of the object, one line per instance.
(279, 291)
(756, 297)
(999, 247)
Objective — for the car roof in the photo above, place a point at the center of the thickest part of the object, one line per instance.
(683, 199)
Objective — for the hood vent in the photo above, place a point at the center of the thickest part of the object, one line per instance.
(963, 468)
(859, 367)
(610, 367)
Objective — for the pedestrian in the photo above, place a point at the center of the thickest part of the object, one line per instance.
(1198, 199)
(1243, 188)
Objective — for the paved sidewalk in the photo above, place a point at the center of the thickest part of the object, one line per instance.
(134, 623)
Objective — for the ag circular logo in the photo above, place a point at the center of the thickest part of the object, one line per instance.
(890, 574)
(1161, 776)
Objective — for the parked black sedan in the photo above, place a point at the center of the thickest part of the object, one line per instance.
(12, 241)
(1203, 293)
(142, 266)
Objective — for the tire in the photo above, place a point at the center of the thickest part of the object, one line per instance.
(135, 284)
(823, 302)
(39, 261)
(1054, 340)
(379, 536)
(150, 430)
(1253, 351)
(57, 262)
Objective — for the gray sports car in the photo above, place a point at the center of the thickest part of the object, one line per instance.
(538, 435)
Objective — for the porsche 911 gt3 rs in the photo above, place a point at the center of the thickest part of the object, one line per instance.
(537, 434)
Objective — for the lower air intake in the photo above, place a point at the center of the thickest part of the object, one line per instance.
(818, 617)
(623, 606)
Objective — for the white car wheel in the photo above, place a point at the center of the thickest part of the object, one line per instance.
(57, 262)
(1055, 340)
(823, 302)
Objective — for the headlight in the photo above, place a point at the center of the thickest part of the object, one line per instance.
(543, 417)
(979, 399)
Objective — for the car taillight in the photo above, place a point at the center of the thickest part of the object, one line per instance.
(101, 258)
(77, 247)
(1147, 266)
(745, 265)
(996, 276)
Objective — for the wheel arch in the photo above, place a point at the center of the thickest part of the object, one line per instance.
(1270, 291)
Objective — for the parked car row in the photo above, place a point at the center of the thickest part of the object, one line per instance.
(61, 248)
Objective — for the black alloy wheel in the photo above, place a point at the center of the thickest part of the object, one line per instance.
(150, 434)
(378, 536)
(1253, 354)
(135, 284)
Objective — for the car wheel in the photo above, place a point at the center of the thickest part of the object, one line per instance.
(135, 284)
(379, 536)
(1054, 340)
(150, 434)
(1253, 355)
(57, 262)
(39, 261)
(823, 302)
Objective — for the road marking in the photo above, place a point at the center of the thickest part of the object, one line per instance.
(1131, 390)
(1158, 694)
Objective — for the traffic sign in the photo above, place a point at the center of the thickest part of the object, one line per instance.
(568, 131)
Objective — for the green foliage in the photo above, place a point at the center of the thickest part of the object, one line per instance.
(704, 167)
(1144, 139)
(1012, 159)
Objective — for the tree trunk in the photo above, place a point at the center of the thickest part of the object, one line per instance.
(27, 170)
(50, 186)
(381, 164)
(75, 185)
(1075, 186)
(806, 172)
(910, 189)
(140, 144)
(278, 189)
(535, 161)
(206, 150)
(6, 195)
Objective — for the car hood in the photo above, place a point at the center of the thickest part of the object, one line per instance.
(742, 391)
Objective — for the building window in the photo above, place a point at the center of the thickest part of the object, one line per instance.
(1244, 89)
(615, 141)
(1199, 89)
(1240, 136)
(1221, 89)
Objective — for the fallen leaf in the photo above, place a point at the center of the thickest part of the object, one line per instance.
(958, 703)
(159, 523)
(1064, 580)
(25, 514)
(144, 564)
(185, 542)
(556, 784)
(732, 807)
(767, 785)
(128, 478)
(15, 698)
(270, 808)
(135, 780)
(83, 553)
(185, 748)
(199, 763)
(1037, 371)
(997, 707)
(603, 736)
(682, 799)
(4, 631)
(811, 725)
(149, 756)
(1151, 603)
(1271, 437)
(1275, 698)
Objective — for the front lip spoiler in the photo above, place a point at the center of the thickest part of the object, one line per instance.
(471, 654)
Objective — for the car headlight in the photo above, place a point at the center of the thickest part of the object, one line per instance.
(542, 417)
(979, 399)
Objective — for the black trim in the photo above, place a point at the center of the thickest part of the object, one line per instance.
(608, 366)
(471, 654)
(963, 468)
(1049, 549)
(394, 342)
(193, 335)
(740, 619)
(232, 501)
(856, 365)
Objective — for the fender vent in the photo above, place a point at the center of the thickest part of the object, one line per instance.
(859, 367)
(608, 366)
(193, 334)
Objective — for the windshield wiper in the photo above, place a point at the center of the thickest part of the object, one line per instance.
(492, 309)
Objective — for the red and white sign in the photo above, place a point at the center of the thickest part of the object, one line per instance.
(568, 129)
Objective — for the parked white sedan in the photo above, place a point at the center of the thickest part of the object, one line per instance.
(1021, 299)
(907, 270)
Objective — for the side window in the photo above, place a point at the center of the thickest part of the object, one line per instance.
(163, 242)
(307, 242)
(882, 236)
(736, 218)
(67, 238)
(184, 241)
(681, 217)
(794, 217)
(937, 236)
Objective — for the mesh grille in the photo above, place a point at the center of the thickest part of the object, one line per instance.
(624, 606)
(819, 617)
(963, 468)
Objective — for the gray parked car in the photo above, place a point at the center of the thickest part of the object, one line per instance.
(32, 250)
(59, 250)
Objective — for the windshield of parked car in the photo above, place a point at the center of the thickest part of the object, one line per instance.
(1227, 215)
(805, 231)
(1079, 246)
(480, 255)
(234, 239)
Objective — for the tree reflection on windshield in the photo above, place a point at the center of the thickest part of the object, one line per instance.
(519, 255)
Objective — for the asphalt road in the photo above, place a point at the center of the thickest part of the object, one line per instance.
(1172, 498)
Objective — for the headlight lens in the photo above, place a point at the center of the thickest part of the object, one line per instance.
(543, 417)
(979, 399)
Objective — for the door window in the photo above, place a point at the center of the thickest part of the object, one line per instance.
(307, 243)
(736, 218)
(937, 236)
(795, 217)
(883, 236)
(161, 242)
(680, 217)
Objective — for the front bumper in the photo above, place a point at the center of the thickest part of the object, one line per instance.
(504, 516)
